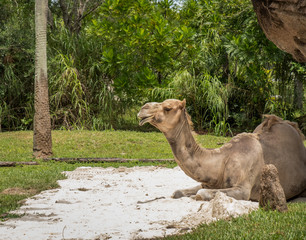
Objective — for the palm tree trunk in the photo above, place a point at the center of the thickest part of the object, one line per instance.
(42, 141)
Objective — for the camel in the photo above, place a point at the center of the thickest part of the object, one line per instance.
(235, 168)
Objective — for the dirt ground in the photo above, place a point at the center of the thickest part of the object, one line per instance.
(117, 203)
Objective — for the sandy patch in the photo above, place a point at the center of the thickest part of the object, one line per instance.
(122, 203)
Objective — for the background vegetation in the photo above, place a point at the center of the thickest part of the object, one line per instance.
(107, 60)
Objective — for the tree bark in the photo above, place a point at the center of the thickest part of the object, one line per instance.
(283, 22)
(298, 91)
(42, 141)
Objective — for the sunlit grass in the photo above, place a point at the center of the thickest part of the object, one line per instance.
(17, 146)
(259, 224)
(122, 144)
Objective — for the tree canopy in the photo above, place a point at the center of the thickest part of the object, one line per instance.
(106, 58)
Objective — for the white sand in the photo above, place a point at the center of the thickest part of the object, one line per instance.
(98, 203)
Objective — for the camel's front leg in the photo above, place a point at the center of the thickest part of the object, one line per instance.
(239, 193)
(186, 192)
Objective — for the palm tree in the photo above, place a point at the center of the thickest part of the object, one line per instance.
(42, 141)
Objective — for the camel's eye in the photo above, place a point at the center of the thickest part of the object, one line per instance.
(167, 109)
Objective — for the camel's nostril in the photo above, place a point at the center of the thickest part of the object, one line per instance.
(139, 114)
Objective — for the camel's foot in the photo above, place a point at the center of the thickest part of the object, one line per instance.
(177, 194)
(204, 195)
(180, 194)
(186, 192)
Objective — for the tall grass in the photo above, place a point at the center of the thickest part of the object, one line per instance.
(67, 94)
(82, 93)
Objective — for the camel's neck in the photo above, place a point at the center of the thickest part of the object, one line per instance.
(188, 154)
(181, 139)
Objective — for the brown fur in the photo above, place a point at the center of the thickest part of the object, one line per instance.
(270, 120)
(189, 119)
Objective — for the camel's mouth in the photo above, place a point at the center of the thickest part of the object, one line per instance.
(145, 119)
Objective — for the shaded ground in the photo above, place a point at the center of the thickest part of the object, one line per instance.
(117, 203)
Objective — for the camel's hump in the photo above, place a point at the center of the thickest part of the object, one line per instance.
(271, 120)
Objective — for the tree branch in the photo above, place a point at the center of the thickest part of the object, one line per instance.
(91, 10)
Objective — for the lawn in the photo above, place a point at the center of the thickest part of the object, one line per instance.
(17, 146)
(17, 183)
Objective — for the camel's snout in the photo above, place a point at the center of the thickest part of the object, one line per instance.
(146, 109)
(145, 114)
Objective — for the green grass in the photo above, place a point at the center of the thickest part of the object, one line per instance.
(258, 224)
(17, 146)
(123, 144)
(22, 182)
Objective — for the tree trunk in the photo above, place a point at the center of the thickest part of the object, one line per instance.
(42, 141)
(298, 91)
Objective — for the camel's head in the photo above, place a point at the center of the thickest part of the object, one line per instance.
(164, 116)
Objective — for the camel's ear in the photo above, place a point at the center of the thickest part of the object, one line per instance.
(183, 104)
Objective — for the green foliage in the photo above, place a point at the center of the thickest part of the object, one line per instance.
(206, 99)
(68, 96)
(125, 53)
(142, 42)
(16, 65)
(137, 45)
(284, 103)
(82, 95)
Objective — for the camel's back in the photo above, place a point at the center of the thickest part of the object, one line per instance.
(283, 146)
